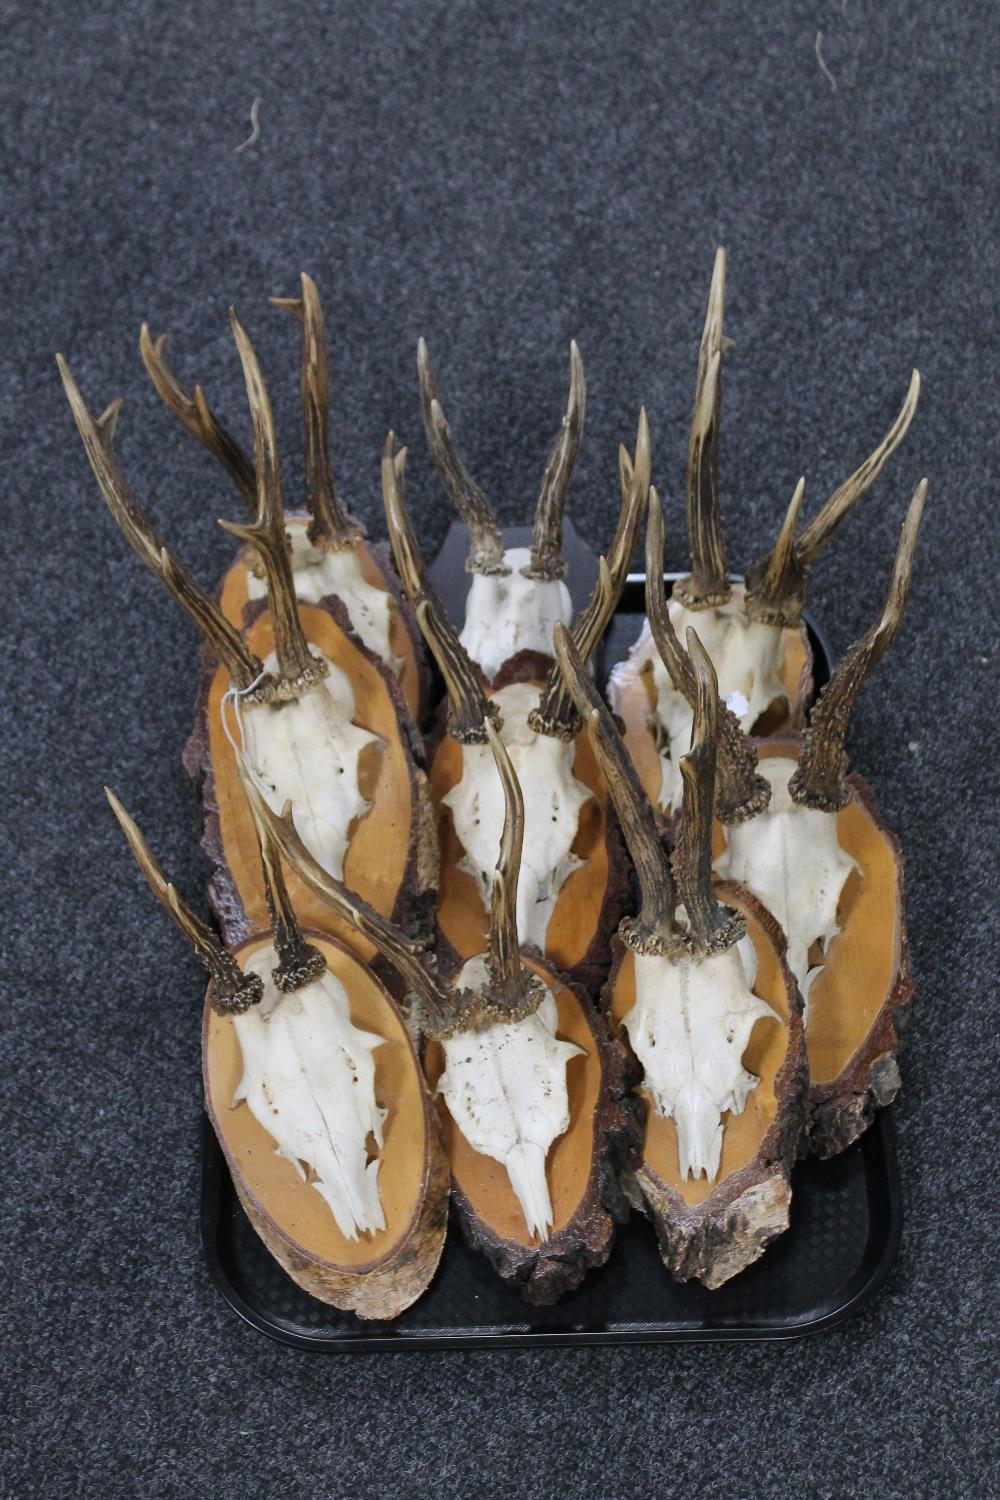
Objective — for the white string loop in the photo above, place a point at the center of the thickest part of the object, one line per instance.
(234, 696)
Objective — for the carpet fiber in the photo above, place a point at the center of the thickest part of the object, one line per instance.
(500, 179)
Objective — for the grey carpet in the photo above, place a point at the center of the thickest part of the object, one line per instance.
(500, 178)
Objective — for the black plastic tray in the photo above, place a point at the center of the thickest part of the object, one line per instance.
(843, 1238)
(846, 1218)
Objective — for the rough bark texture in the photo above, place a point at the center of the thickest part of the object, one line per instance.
(841, 1111)
(716, 1239)
(591, 972)
(543, 1273)
(417, 896)
(390, 1285)
(716, 1246)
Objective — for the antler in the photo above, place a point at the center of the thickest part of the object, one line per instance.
(546, 543)
(197, 416)
(513, 992)
(331, 527)
(298, 668)
(467, 703)
(230, 991)
(555, 714)
(443, 1009)
(240, 662)
(818, 780)
(107, 422)
(486, 552)
(711, 929)
(776, 586)
(299, 962)
(708, 583)
(654, 929)
(742, 791)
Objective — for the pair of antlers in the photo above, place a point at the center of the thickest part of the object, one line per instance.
(486, 549)
(818, 781)
(776, 585)
(297, 666)
(469, 707)
(331, 526)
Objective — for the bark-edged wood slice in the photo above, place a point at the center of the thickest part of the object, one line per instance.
(377, 569)
(859, 1002)
(392, 858)
(713, 1230)
(632, 695)
(583, 1167)
(374, 1276)
(593, 898)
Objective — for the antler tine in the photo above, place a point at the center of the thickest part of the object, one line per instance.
(331, 527)
(625, 469)
(240, 662)
(546, 542)
(672, 653)
(197, 416)
(467, 703)
(708, 583)
(640, 468)
(555, 714)
(818, 780)
(297, 666)
(486, 552)
(107, 422)
(776, 586)
(441, 1006)
(711, 928)
(742, 792)
(299, 962)
(505, 952)
(517, 992)
(230, 990)
(817, 532)
(654, 929)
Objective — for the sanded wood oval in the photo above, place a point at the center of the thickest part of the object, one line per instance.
(766, 1056)
(579, 907)
(570, 1163)
(378, 858)
(233, 598)
(865, 958)
(365, 1274)
(632, 695)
